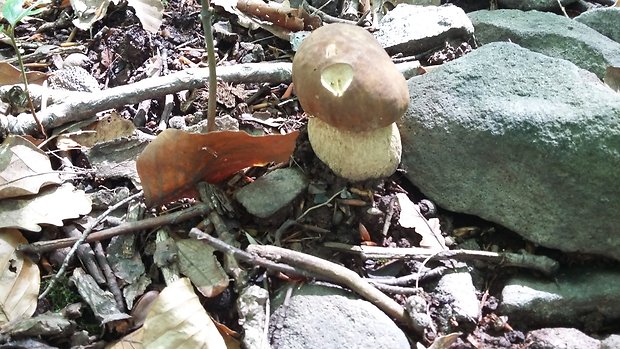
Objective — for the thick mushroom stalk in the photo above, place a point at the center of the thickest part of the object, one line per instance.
(354, 93)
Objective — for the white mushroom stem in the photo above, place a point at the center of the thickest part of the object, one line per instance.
(356, 156)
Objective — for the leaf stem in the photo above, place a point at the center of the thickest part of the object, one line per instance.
(11, 34)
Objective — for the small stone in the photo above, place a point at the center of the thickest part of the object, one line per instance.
(327, 316)
(272, 192)
(73, 79)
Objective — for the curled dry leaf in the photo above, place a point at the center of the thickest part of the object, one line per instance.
(50, 206)
(24, 168)
(178, 320)
(411, 217)
(273, 12)
(175, 161)
(20, 278)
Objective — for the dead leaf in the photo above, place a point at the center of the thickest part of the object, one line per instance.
(51, 206)
(10, 75)
(20, 279)
(444, 342)
(276, 13)
(178, 320)
(24, 168)
(429, 229)
(88, 12)
(176, 160)
(612, 78)
(197, 261)
(107, 128)
(149, 12)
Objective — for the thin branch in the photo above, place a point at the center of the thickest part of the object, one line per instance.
(206, 13)
(125, 228)
(338, 273)
(542, 264)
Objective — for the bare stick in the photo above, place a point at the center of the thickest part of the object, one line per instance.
(542, 264)
(206, 13)
(83, 105)
(125, 228)
(246, 257)
(333, 271)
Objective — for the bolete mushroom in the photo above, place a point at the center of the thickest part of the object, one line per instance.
(354, 94)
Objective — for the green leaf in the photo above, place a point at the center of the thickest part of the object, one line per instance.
(12, 10)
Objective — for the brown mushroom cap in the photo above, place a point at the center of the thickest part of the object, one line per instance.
(344, 77)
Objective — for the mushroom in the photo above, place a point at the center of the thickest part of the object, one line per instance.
(354, 94)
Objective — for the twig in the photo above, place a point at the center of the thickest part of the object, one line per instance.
(109, 276)
(324, 16)
(337, 273)
(388, 216)
(542, 264)
(206, 13)
(82, 105)
(412, 278)
(563, 9)
(320, 205)
(86, 254)
(79, 241)
(246, 257)
(408, 291)
(125, 228)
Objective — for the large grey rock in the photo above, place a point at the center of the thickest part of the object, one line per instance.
(329, 317)
(526, 5)
(604, 20)
(550, 34)
(576, 298)
(413, 29)
(521, 139)
(611, 342)
(560, 338)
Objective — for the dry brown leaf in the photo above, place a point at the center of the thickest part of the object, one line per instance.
(197, 261)
(24, 168)
(50, 206)
(175, 161)
(107, 128)
(444, 342)
(20, 279)
(429, 229)
(273, 12)
(178, 320)
(10, 75)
